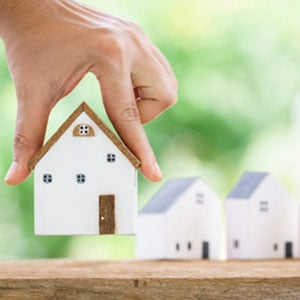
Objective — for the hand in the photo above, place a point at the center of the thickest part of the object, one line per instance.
(52, 44)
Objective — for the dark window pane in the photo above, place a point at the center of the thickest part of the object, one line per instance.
(80, 178)
(110, 157)
(47, 178)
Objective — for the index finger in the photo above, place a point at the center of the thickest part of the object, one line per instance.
(120, 104)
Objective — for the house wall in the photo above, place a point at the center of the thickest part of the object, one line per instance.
(66, 207)
(277, 225)
(237, 212)
(150, 240)
(191, 222)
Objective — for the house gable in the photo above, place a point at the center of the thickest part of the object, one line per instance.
(56, 136)
(84, 150)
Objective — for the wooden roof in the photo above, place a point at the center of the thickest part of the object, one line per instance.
(83, 107)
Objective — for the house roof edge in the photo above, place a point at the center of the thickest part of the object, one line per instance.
(83, 107)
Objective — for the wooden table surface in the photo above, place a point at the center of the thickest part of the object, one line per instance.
(67, 279)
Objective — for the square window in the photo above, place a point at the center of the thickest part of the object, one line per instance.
(199, 198)
(84, 129)
(111, 157)
(47, 178)
(264, 206)
(80, 178)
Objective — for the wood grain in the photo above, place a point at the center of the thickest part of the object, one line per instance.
(107, 214)
(66, 279)
(76, 131)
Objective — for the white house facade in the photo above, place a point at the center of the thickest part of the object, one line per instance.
(182, 221)
(261, 219)
(85, 180)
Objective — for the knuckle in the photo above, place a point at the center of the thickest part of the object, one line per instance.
(134, 26)
(112, 45)
(116, 45)
(130, 114)
(134, 31)
(170, 98)
(130, 28)
(117, 42)
(21, 144)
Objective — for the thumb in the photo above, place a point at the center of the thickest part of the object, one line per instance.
(30, 132)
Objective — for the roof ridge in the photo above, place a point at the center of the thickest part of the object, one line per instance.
(83, 107)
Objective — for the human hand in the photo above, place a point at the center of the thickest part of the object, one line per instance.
(52, 44)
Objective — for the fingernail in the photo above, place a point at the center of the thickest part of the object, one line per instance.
(158, 171)
(11, 171)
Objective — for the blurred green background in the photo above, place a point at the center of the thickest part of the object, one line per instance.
(238, 67)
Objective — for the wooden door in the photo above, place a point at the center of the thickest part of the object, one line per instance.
(107, 214)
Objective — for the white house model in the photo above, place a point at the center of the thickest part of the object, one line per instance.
(182, 221)
(85, 180)
(261, 219)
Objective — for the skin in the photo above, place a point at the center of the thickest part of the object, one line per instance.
(52, 44)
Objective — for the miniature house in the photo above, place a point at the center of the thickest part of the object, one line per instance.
(261, 219)
(182, 221)
(85, 180)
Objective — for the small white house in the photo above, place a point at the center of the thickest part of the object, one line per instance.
(85, 180)
(261, 219)
(182, 221)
